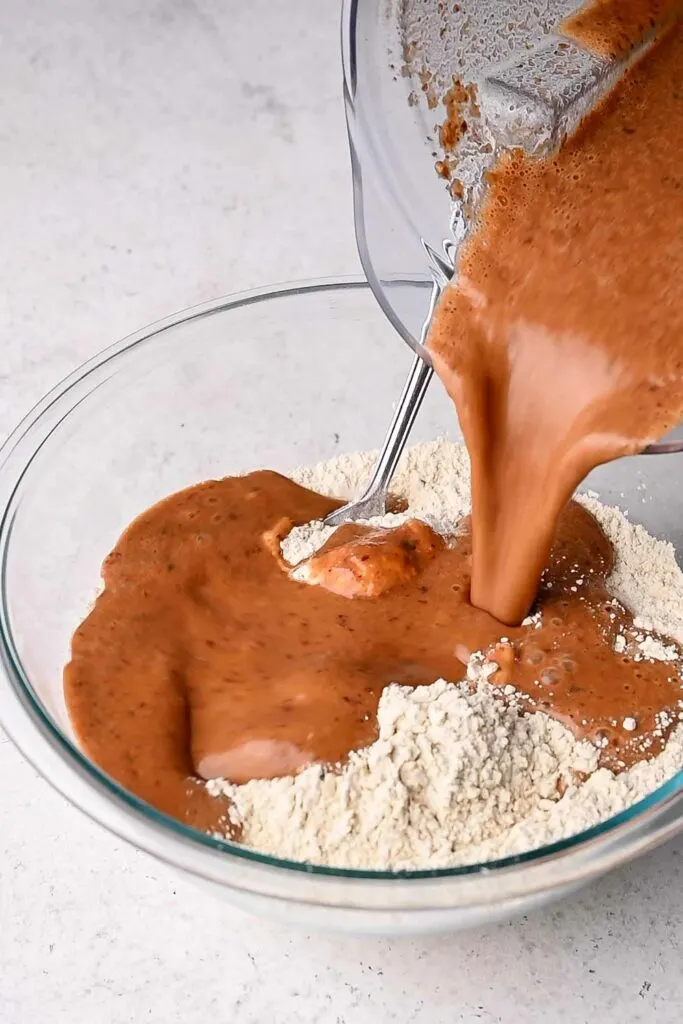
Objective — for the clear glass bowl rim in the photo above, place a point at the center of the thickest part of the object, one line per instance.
(646, 824)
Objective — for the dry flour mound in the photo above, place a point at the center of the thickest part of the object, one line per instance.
(460, 773)
(452, 768)
(646, 576)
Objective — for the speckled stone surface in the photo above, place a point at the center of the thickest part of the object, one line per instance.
(155, 154)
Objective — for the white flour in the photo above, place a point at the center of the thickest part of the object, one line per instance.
(459, 775)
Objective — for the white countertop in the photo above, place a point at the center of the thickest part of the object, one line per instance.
(156, 153)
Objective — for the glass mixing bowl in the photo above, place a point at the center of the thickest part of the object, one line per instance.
(270, 378)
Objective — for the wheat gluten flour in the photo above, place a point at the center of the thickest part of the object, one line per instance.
(460, 773)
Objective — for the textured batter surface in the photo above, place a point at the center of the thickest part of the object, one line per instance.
(460, 773)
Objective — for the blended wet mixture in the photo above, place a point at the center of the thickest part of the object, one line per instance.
(203, 656)
(561, 339)
(611, 28)
(561, 343)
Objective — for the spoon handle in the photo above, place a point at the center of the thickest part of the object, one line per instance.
(373, 501)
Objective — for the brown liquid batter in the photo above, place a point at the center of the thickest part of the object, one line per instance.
(203, 655)
(612, 28)
(561, 343)
(561, 339)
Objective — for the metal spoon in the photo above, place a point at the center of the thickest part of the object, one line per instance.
(373, 501)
